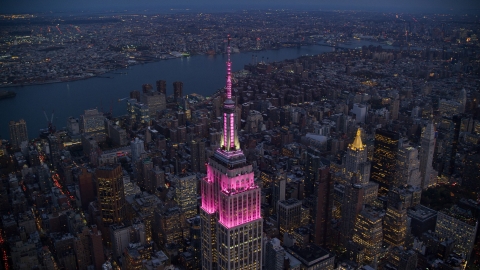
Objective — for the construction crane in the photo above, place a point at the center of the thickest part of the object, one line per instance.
(51, 128)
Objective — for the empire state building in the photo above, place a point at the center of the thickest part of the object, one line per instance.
(230, 212)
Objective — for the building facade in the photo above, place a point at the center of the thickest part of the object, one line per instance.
(384, 159)
(110, 194)
(458, 224)
(230, 211)
(18, 132)
(426, 155)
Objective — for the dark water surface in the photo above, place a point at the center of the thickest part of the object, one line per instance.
(200, 74)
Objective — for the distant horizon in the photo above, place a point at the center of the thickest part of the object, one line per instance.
(90, 6)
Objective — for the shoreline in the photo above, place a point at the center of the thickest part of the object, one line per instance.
(155, 60)
(99, 75)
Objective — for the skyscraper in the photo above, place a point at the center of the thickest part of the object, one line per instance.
(426, 155)
(18, 132)
(155, 101)
(162, 86)
(177, 90)
(395, 220)
(312, 165)
(110, 192)
(368, 231)
(86, 186)
(323, 217)
(275, 255)
(278, 189)
(289, 215)
(137, 148)
(92, 122)
(186, 193)
(407, 169)
(448, 135)
(230, 211)
(384, 158)
(356, 162)
(352, 205)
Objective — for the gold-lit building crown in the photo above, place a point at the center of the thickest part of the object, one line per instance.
(357, 143)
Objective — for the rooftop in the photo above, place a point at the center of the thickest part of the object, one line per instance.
(421, 212)
(310, 254)
(460, 214)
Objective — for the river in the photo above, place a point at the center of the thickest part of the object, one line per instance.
(202, 74)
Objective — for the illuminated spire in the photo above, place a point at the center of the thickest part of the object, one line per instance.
(229, 139)
(229, 71)
(357, 143)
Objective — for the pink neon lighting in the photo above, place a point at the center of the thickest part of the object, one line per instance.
(208, 192)
(224, 131)
(230, 154)
(237, 183)
(240, 208)
(232, 131)
(235, 198)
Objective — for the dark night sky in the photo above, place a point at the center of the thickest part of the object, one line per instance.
(455, 6)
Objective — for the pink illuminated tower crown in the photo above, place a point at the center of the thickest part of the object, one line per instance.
(229, 139)
(230, 211)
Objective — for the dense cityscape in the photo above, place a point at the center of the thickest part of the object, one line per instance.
(43, 49)
(359, 158)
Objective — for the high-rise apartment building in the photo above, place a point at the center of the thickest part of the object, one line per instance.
(110, 194)
(162, 86)
(18, 132)
(230, 211)
(384, 158)
(186, 193)
(197, 155)
(426, 155)
(147, 87)
(177, 90)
